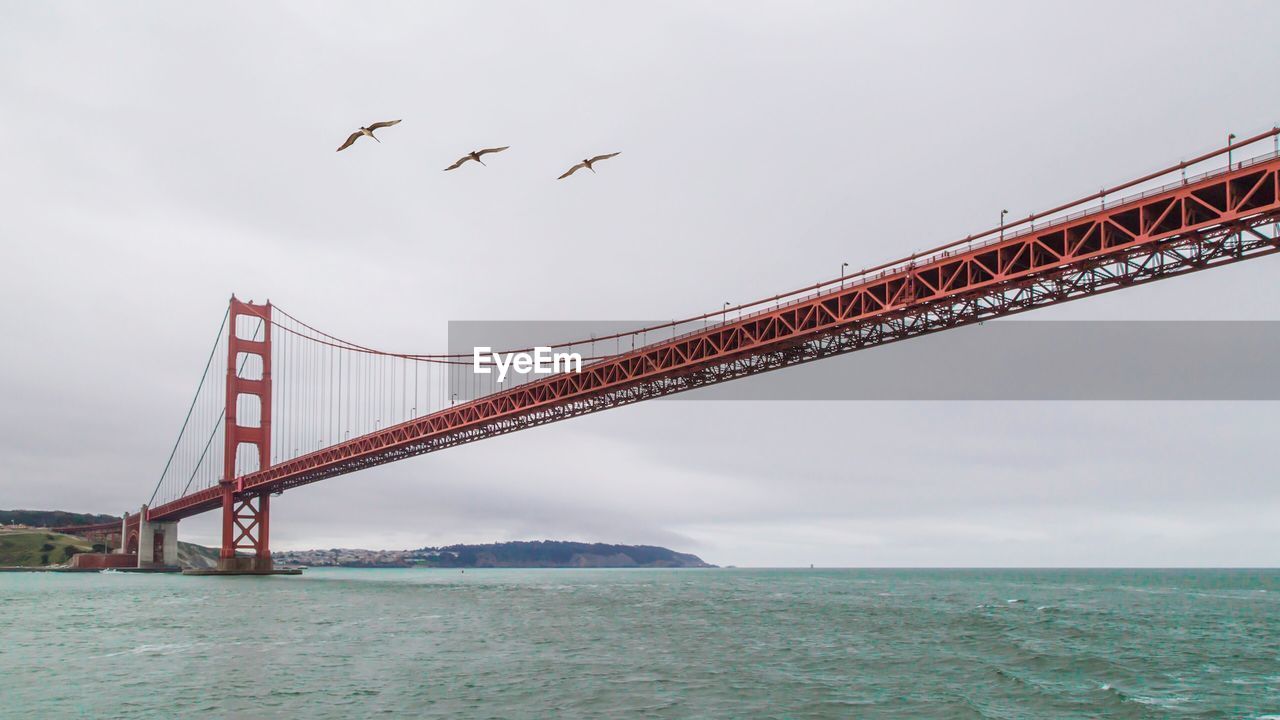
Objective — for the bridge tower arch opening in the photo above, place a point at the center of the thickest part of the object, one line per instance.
(247, 439)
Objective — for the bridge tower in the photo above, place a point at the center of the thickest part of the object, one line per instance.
(246, 516)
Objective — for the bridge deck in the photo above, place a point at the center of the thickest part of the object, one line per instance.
(1189, 226)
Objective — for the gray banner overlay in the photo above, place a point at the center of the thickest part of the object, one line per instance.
(997, 360)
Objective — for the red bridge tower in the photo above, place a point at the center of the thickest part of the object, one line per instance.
(246, 515)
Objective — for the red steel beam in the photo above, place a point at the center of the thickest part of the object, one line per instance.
(1206, 222)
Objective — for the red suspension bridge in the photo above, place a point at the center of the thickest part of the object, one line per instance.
(281, 404)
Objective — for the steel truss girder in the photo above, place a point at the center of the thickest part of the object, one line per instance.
(1170, 261)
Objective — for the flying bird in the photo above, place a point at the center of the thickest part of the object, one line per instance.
(475, 155)
(367, 132)
(587, 164)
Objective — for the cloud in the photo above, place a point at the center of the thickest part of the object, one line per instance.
(156, 158)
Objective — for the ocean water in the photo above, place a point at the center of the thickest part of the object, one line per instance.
(643, 643)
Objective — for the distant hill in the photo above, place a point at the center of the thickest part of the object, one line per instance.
(559, 553)
(195, 556)
(52, 518)
(519, 554)
(30, 549)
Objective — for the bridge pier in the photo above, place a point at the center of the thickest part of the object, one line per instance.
(146, 541)
(124, 534)
(246, 524)
(157, 542)
(169, 542)
(245, 565)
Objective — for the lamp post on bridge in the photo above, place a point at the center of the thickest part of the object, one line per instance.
(1002, 214)
(843, 265)
(1230, 137)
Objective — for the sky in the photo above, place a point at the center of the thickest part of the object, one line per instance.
(157, 157)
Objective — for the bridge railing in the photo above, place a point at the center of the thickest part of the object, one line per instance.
(1023, 229)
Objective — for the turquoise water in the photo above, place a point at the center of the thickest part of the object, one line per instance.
(643, 643)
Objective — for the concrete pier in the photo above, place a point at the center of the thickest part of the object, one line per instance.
(246, 564)
(169, 546)
(124, 534)
(153, 537)
(146, 541)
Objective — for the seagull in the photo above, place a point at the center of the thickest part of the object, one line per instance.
(587, 164)
(366, 131)
(475, 155)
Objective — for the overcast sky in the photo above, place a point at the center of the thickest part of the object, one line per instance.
(156, 157)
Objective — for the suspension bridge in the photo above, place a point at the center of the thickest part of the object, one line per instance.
(281, 404)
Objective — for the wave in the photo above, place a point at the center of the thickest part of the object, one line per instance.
(158, 649)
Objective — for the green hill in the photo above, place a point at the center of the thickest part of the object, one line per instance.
(25, 548)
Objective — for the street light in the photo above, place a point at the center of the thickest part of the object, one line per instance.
(1230, 137)
(1002, 214)
(724, 317)
(843, 265)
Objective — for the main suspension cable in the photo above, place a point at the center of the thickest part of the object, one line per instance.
(204, 376)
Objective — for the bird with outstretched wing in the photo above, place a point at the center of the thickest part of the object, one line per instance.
(366, 132)
(475, 155)
(587, 164)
